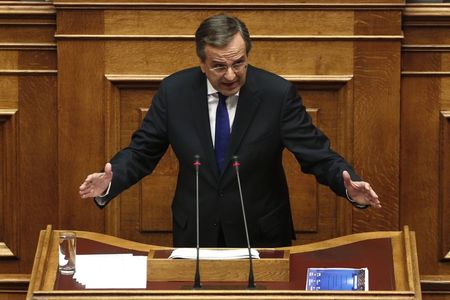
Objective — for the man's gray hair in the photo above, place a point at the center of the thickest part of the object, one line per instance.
(217, 31)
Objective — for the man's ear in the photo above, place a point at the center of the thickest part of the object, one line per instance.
(203, 66)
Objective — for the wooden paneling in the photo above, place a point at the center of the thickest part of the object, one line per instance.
(145, 206)
(382, 99)
(444, 180)
(185, 22)
(424, 137)
(376, 132)
(9, 185)
(28, 142)
(81, 134)
(317, 212)
(133, 48)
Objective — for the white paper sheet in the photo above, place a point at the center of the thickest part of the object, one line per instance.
(111, 271)
(191, 253)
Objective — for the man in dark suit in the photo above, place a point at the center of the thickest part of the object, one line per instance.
(264, 114)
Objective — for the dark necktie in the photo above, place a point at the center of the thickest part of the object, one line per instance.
(222, 136)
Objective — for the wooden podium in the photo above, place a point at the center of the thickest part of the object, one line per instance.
(390, 257)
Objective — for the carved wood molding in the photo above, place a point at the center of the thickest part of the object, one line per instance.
(5, 251)
(115, 82)
(28, 46)
(331, 5)
(327, 80)
(254, 37)
(27, 13)
(21, 8)
(324, 82)
(28, 72)
(426, 73)
(425, 48)
(14, 282)
(435, 284)
(9, 190)
(426, 15)
(444, 183)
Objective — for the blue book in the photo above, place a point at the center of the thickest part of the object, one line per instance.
(337, 279)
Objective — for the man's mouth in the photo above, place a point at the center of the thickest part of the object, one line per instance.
(229, 84)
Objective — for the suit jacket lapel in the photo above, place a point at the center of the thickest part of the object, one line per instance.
(246, 108)
(247, 105)
(200, 112)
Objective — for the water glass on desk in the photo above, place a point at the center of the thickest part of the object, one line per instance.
(67, 252)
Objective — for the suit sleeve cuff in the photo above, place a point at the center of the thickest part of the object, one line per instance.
(100, 200)
(354, 203)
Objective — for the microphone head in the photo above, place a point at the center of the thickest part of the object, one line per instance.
(197, 160)
(236, 162)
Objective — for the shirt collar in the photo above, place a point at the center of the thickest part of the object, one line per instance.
(211, 90)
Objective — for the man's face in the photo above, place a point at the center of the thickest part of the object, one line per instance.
(226, 68)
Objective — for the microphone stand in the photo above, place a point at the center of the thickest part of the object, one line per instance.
(251, 277)
(197, 284)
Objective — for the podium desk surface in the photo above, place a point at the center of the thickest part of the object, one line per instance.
(389, 256)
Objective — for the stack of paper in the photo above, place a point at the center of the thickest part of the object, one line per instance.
(191, 253)
(106, 271)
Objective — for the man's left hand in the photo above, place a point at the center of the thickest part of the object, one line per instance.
(360, 191)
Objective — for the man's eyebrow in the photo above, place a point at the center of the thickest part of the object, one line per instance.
(218, 61)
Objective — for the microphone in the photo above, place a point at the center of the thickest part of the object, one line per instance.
(251, 277)
(197, 165)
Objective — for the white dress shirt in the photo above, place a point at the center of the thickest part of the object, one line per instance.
(213, 101)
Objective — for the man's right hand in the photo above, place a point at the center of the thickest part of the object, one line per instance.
(96, 184)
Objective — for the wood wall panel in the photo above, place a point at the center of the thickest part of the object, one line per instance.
(8, 61)
(303, 189)
(80, 22)
(139, 57)
(444, 179)
(9, 231)
(147, 205)
(303, 57)
(133, 41)
(31, 33)
(75, 107)
(28, 129)
(81, 134)
(266, 22)
(425, 96)
(374, 22)
(292, 57)
(37, 158)
(376, 132)
(252, 4)
(419, 179)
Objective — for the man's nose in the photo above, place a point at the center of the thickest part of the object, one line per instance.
(230, 74)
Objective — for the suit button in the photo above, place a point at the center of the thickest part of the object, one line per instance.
(221, 194)
(215, 224)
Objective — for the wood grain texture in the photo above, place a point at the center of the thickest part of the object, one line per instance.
(9, 183)
(425, 96)
(377, 130)
(42, 285)
(80, 75)
(444, 179)
(67, 4)
(81, 134)
(266, 22)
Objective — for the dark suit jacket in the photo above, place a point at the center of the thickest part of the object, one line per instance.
(269, 117)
